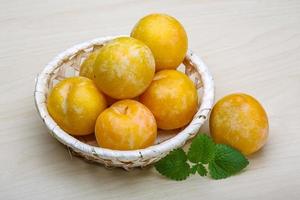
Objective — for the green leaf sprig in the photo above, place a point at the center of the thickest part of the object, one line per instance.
(203, 156)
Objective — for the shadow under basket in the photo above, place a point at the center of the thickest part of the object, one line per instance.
(67, 64)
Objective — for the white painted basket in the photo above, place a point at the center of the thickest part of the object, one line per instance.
(67, 64)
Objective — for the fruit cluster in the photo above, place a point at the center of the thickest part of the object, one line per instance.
(129, 88)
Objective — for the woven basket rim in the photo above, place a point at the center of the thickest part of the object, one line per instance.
(177, 141)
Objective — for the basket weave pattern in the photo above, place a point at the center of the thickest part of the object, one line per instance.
(67, 64)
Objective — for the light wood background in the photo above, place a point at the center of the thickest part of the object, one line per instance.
(250, 46)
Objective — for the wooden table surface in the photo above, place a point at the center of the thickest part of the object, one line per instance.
(250, 46)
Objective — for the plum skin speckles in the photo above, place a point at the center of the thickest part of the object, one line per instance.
(240, 121)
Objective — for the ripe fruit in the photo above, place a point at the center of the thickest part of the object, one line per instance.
(166, 38)
(75, 104)
(240, 121)
(126, 125)
(86, 68)
(124, 68)
(172, 98)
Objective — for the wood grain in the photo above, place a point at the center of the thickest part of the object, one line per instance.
(250, 46)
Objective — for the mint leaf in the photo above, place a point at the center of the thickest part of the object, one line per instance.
(193, 169)
(201, 170)
(198, 168)
(217, 172)
(174, 165)
(201, 150)
(227, 161)
(223, 161)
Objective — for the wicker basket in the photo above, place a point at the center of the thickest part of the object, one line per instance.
(67, 64)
